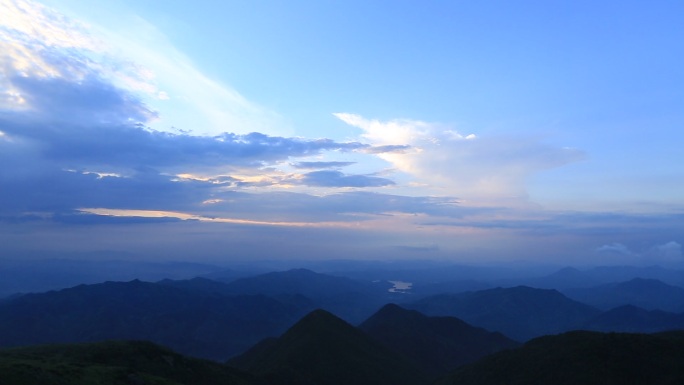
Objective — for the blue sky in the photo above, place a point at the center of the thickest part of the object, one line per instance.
(469, 131)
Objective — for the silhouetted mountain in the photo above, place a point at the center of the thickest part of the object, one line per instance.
(609, 274)
(633, 319)
(437, 344)
(520, 312)
(347, 298)
(191, 322)
(209, 286)
(567, 277)
(582, 358)
(34, 276)
(649, 294)
(323, 349)
(112, 362)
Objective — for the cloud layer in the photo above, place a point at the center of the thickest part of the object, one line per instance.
(468, 166)
(81, 148)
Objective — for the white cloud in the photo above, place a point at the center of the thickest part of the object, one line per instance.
(670, 252)
(39, 42)
(666, 254)
(464, 165)
(31, 36)
(616, 248)
(31, 20)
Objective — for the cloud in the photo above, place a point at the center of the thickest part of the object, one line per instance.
(89, 101)
(666, 254)
(669, 253)
(86, 144)
(320, 165)
(418, 248)
(94, 123)
(615, 248)
(39, 42)
(464, 165)
(338, 179)
(55, 166)
(339, 206)
(398, 149)
(75, 129)
(33, 39)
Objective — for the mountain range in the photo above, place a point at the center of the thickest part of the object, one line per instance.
(519, 312)
(217, 320)
(351, 299)
(200, 324)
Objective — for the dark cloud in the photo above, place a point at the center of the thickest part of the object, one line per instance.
(126, 146)
(320, 165)
(89, 100)
(56, 190)
(331, 178)
(94, 123)
(387, 148)
(57, 155)
(420, 249)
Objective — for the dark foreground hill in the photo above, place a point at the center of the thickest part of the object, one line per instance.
(323, 349)
(112, 363)
(519, 312)
(582, 358)
(437, 344)
(206, 325)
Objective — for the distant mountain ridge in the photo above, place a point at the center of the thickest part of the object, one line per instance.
(196, 323)
(573, 278)
(649, 294)
(351, 299)
(40, 275)
(519, 312)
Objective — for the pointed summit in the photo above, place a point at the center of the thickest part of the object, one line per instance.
(322, 348)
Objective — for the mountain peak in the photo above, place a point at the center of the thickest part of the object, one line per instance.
(322, 348)
(394, 310)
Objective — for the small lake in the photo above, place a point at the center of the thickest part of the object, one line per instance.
(400, 286)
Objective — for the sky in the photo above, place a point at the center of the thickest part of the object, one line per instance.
(473, 132)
